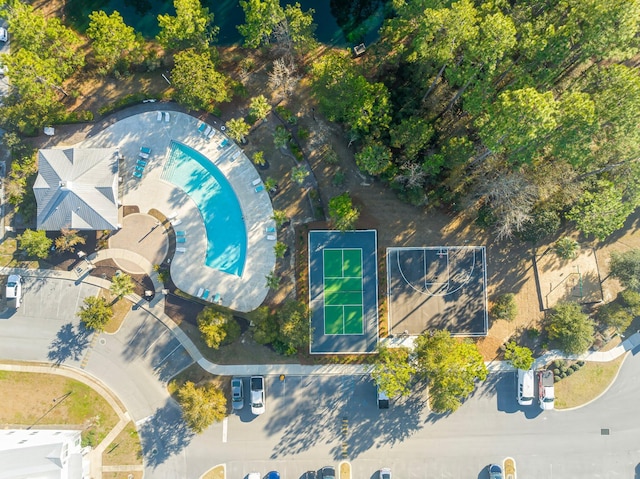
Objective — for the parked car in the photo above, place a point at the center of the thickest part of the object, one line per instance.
(546, 393)
(4, 35)
(525, 387)
(495, 471)
(273, 475)
(310, 475)
(257, 395)
(237, 393)
(385, 473)
(254, 475)
(328, 472)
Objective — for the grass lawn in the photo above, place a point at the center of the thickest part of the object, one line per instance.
(120, 311)
(31, 399)
(586, 384)
(125, 449)
(122, 475)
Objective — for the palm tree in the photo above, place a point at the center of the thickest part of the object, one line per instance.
(121, 285)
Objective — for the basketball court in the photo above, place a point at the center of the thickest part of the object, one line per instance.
(343, 284)
(437, 288)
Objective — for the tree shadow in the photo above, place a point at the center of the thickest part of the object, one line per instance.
(70, 343)
(164, 434)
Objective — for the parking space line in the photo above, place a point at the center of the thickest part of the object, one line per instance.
(168, 354)
(225, 422)
(153, 343)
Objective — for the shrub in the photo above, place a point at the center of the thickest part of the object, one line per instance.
(574, 367)
(566, 248)
(504, 307)
(303, 133)
(123, 102)
(331, 157)
(533, 333)
(556, 372)
(558, 363)
(569, 372)
(556, 379)
(217, 328)
(338, 178)
(580, 363)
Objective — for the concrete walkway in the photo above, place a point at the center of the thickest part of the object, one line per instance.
(156, 309)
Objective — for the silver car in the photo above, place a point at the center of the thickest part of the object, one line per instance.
(237, 393)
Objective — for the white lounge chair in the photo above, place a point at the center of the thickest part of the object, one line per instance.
(200, 292)
(176, 222)
(207, 131)
(271, 237)
(167, 117)
(256, 182)
(181, 250)
(159, 116)
(212, 134)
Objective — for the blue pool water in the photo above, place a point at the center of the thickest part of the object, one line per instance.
(218, 204)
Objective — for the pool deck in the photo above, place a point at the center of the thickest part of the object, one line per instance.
(188, 269)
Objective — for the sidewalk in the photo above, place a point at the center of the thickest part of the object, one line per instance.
(156, 309)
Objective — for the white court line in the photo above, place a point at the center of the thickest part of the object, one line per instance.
(225, 423)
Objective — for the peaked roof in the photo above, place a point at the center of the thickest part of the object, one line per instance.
(77, 188)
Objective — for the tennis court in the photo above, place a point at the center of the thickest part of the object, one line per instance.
(343, 302)
(343, 287)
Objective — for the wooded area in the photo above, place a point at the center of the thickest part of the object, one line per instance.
(524, 111)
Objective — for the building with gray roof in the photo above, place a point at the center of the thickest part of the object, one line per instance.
(77, 188)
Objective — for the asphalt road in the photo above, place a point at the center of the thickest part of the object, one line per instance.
(308, 419)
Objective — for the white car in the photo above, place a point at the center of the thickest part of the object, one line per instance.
(385, 473)
(4, 35)
(257, 395)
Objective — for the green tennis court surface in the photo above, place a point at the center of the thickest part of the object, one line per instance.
(343, 302)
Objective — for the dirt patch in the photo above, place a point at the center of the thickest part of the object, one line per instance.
(120, 310)
(214, 473)
(568, 280)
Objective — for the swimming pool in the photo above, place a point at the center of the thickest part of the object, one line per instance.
(218, 205)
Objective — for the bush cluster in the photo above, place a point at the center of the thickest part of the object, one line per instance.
(562, 369)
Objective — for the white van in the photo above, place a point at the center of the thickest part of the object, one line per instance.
(525, 387)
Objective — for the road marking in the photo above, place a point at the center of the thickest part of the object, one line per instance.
(225, 421)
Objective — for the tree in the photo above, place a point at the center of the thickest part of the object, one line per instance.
(197, 82)
(283, 76)
(265, 325)
(570, 328)
(68, 240)
(35, 243)
(201, 406)
(259, 107)
(266, 20)
(342, 213)
(273, 280)
(393, 371)
(281, 137)
(217, 328)
(374, 158)
(520, 357)
(191, 27)
(347, 96)
(238, 129)
(259, 159)
(602, 209)
(615, 315)
(121, 285)
(299, 174)
(280, 249)
(260, 18)
(112, 39)
(452, 368)
(504, 307)
(566, 248)
(294, 325)
(280, 217)
(95, 313)
(625, 267)
(412, 135)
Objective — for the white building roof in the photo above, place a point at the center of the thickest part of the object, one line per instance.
(41, 454)
(77, 188)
